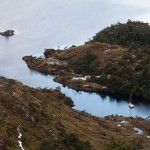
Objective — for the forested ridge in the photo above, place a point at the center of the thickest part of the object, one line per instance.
(133, 34)
(131, 72)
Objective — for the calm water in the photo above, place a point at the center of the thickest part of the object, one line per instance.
(49, 24)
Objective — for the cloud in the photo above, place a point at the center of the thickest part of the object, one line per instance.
(144, 17)
(134, 3)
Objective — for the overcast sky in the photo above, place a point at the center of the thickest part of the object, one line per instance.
(134, 3)
(137, 4)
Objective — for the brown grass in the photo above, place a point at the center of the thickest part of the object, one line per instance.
(49, 112)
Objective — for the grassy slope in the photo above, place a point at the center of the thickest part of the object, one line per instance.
(47, 123)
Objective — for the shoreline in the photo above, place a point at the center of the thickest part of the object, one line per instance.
(42, 112)
(56, 63)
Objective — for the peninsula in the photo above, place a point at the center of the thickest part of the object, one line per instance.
(115, 60)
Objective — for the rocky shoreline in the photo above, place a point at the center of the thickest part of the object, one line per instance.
(58, 63)
(55, 63)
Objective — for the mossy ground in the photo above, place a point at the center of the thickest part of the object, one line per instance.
(47, 123)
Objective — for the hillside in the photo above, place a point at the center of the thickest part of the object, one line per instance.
(45, 121)
(132, 71)
(133, 34)
(98, 67)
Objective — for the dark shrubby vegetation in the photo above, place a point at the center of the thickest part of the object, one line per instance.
(131, 72)
(65, 141)
(131, 34)
(86, 64)
(125, 146)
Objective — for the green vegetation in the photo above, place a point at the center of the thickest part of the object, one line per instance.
(65, 141)
(42, 118)
(87, 64)
(134, 145)
(70, 141)
(131, 34)
(121, 70)
(130, 72)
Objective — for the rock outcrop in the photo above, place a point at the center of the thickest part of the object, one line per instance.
(7, 33)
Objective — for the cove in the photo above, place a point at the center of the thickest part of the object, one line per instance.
(50, 24)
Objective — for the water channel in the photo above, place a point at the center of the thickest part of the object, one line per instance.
(49, 24)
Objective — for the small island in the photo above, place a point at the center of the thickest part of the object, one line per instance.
(7, 33)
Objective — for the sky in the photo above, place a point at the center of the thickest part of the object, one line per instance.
(137, 4)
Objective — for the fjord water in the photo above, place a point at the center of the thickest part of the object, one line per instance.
(49, 24)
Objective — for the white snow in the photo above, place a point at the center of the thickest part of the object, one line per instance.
(19, 139)
(107, 50)
(138, 131)
(104, 87)
(86, 85)
(133, 56)
(121, 122)
(118, 125)
(81, 78)
(97, 76)
(108, 76)
(124, 122)
(148, 137)
(90, 85)
(53, 63)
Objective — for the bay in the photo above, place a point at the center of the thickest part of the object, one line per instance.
(52, 24)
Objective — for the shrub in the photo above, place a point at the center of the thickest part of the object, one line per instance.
(87, 64)
(132, 34)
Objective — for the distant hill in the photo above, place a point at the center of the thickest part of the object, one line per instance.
(132, 34)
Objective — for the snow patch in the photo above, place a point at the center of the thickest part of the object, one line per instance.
(104, 87)
(97, 76)
(118, 125)
(108, 76)
(148, 137)
(53, 63)
(107, 50)
(124, 122)
(138, 131)
(19, 139)
(81, 78)
(121, 122)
